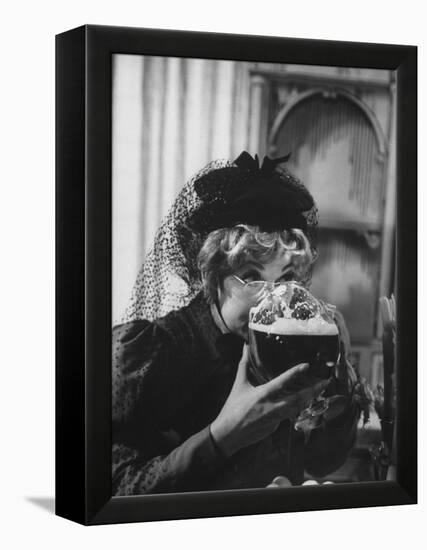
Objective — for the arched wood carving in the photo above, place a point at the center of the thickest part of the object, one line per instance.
(327, 93)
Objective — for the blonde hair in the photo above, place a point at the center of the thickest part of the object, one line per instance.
(226, 250)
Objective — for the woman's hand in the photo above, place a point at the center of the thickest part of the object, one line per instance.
(252, 413)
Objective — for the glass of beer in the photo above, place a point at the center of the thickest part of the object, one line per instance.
(290, 326)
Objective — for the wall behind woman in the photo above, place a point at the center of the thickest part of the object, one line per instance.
(170, 117)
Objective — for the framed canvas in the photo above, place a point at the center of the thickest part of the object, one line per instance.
(138, 113)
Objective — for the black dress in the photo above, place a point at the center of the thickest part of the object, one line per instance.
(171, 378)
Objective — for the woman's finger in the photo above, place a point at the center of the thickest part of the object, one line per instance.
(242, 369)
(286, 379)
(307, 392)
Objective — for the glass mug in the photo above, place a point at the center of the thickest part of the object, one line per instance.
(287, 327)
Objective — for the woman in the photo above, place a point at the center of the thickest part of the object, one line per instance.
(185, 414)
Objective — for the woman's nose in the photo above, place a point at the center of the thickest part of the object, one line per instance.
(269, 285)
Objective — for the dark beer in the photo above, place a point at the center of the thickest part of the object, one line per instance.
(271, 354)
(288, 327)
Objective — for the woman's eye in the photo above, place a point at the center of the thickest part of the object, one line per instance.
(287, 277)
(250, 276)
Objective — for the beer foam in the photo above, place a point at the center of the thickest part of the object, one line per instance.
(284, 323)
(315, 326)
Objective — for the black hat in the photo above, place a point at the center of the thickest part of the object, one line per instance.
(268, 197)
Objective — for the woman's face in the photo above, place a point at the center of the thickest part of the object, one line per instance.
(235, 301)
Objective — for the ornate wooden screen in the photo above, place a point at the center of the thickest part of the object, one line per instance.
(338, 124)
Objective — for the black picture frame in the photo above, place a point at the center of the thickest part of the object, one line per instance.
(83, 274)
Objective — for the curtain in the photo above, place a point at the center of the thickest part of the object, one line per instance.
(170, 117)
